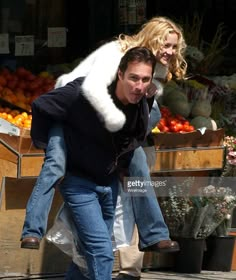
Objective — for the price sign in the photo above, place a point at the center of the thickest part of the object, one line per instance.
(4, 43)
(56, 37)
(24, 45)
(9, 128)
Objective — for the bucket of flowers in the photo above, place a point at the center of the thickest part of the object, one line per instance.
(193, 218)
(223, 200)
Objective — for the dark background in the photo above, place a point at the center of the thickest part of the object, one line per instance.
(90, 23)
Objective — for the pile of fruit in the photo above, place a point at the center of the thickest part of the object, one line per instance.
(20, 119)
(172, 123)
(21, 87)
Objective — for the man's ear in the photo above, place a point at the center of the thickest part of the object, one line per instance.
(120, 75)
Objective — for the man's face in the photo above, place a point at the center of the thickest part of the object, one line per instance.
(132, 84)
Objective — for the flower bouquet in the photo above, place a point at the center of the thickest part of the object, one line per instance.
(196, 216)
(230, 165)
(221, 201)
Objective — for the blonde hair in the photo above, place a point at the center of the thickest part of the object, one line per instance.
(152, 35)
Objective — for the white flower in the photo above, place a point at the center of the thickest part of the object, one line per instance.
(228, 216)
(229, 198)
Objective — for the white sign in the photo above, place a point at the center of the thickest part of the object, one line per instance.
(56, 37)
(4, 43)
(24, 45)
(9, 128)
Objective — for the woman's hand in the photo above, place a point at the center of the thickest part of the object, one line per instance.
(151, 91)
(155, 88)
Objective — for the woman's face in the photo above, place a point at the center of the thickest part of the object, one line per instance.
(168, 50)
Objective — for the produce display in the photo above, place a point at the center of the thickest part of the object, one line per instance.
(17, 91)
(22, 86)
(197, 103)
(20, 119)
(172, 123)
(185, 106)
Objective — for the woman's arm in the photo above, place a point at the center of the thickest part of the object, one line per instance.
(100, 70)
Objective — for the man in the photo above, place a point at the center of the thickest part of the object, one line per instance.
(97, 158)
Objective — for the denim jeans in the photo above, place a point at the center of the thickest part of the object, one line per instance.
(39, 203)
(155, 116)
(53, 169)
(92, 208)
(148, 216)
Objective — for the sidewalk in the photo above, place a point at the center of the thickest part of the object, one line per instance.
(150, 275)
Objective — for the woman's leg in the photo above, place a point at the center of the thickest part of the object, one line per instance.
(40, 201)
(152, 228)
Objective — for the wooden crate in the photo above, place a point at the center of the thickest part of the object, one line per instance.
(189, 139)
(189, 159)
(20, 164)
(233, 266)
(49, 259)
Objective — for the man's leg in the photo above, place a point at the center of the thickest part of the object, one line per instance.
(92, 208)
(40, 201)
(131, 260)
(151, 226)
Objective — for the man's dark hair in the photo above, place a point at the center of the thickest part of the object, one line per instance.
(139, 54)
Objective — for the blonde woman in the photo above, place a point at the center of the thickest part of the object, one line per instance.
(166, 41)
(102, 64)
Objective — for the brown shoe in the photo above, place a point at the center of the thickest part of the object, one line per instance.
(164, 246)
(30, 243)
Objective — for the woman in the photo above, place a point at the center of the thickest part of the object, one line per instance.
(160, 35)
(103, 63)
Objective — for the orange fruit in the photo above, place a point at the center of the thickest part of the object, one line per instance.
(4, 115)
(24, 115)
(9, 117)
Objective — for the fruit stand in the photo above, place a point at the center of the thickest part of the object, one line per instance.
(20, 164)
(183, 155)
(182, 149)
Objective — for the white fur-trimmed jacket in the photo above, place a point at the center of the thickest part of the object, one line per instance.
(100, 69)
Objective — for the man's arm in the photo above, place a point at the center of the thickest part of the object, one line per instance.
(56, 104)
(50, 108)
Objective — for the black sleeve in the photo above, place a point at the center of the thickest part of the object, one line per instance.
(49, 108)
(124, 162)
(56, 104)
(150, 103)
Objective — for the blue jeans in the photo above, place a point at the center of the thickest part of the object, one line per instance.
(92, 208)
(155, 116)
(39, 203)
(148, 216)
(53, 169)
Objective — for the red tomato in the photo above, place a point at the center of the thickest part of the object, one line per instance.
(173, 128)
(185, 122)
(188, 128)
(191, 128)
(179, 126)
(172, 122)
(160, 126)
(163, 121)
(166, 129)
